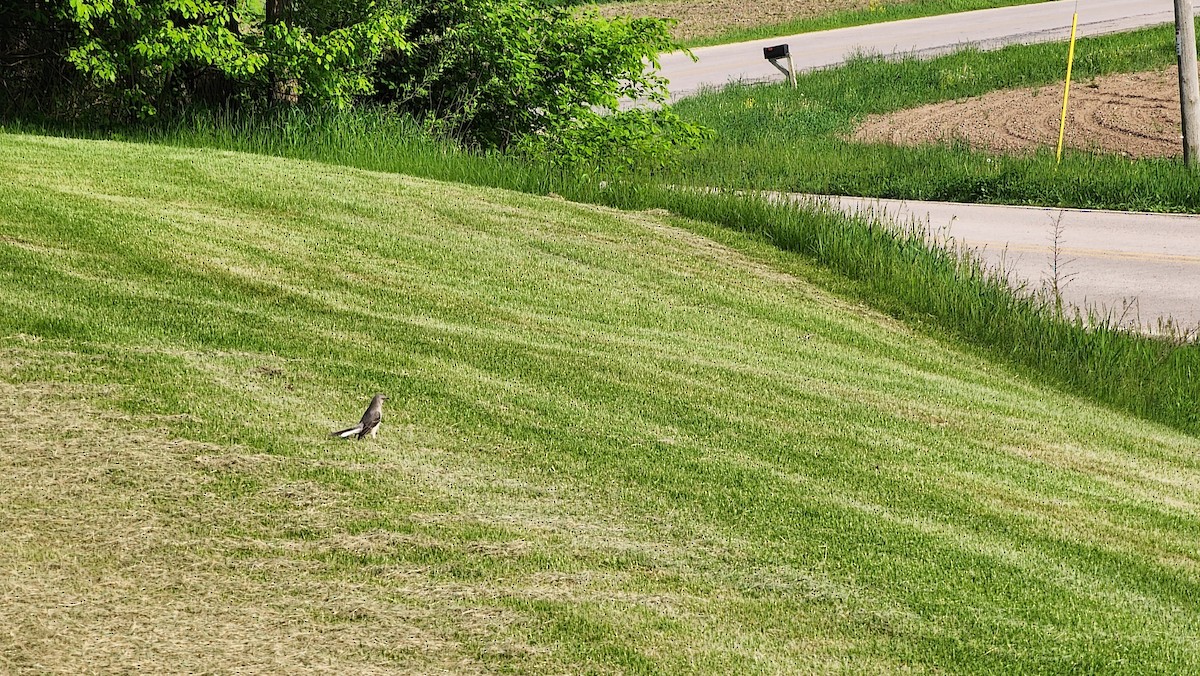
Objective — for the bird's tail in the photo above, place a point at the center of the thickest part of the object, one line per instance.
(348, 433)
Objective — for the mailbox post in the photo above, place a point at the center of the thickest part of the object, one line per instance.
(775, 55)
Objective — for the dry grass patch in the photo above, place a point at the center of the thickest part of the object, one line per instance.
(114, 559)
(129, 548)
(106, 565)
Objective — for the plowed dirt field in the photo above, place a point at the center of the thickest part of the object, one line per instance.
(705, 18)
(1136, 115)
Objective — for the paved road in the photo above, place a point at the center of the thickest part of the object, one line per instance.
(1141, 267)
(986, 29)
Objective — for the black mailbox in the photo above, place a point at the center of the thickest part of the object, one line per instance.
(776, 52)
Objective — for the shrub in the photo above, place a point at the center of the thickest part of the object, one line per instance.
(538, 77)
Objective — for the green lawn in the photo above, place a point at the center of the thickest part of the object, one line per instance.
(617, 442)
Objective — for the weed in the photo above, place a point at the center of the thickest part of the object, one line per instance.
(1058, 278)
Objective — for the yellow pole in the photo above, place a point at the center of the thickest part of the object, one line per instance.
(1062, 127)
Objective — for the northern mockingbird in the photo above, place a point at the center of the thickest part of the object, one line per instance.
(370, 420)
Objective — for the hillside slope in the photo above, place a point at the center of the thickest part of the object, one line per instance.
(615, 442)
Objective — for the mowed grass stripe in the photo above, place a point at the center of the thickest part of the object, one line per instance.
(616, 442)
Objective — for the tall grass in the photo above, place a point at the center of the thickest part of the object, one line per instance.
(776, 138)
(368, 138)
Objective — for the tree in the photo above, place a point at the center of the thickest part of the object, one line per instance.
(33, 73)
(133, 57)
